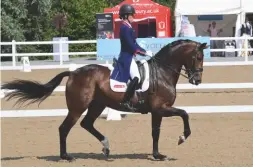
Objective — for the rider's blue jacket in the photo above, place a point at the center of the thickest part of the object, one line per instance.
(129, 48)
(128, 41)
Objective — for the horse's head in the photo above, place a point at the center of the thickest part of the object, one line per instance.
(185, 53)
(193, 61)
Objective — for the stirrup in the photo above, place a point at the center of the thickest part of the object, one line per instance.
(128, 106)
(140, 102)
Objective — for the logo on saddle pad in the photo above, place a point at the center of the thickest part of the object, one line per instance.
(118, 86)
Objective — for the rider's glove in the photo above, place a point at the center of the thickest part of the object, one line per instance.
(149, 53)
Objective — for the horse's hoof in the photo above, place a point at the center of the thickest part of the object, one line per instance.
(123, 115)
(159, 156)
(106, 152)
(181, 140)
(67, 157)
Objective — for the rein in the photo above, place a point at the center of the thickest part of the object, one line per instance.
(154, 65)
(154, 61)
(157, 60)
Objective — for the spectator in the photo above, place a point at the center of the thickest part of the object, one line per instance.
(246, 30)
(213, 32)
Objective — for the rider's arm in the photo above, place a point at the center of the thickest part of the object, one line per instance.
(140, 48)
(127, 35)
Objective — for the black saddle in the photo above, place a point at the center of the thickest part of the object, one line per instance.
(141, 71)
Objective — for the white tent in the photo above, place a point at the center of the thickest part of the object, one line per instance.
(233, 12)
(247, 6)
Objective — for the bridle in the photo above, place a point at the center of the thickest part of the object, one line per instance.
(190, 71)
(193, 70)
(155, 61)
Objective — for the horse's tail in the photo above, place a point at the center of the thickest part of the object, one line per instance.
(25, 90)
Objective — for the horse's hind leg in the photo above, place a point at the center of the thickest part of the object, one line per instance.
(94, 110)
(76, 107)
(64, 130)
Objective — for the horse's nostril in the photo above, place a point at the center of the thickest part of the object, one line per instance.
(197, 82)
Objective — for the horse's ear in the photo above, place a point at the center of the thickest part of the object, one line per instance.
(204, 46)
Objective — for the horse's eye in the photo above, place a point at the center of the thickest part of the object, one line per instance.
(199, 57)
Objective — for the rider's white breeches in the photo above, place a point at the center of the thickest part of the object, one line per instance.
(134, 71)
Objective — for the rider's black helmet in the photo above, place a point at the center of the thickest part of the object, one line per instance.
(126, 10)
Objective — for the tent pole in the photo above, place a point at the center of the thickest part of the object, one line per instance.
(241, 17)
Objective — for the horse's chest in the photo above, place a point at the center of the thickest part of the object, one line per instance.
(167, 95)
(171, 96)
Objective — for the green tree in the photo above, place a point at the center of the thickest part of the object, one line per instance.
(37, 18)
(13, 13)
(24, 20)
(81, 24)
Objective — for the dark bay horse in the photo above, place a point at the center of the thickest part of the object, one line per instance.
(88, 88)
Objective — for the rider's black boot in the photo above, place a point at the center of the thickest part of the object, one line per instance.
(126, 103)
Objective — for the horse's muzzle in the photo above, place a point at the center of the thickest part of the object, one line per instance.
(197, 82)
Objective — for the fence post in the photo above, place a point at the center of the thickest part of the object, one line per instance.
(61, 58)
(247, 47)
(13, 53)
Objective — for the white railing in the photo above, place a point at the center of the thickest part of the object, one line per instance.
(232, 50)
(14, 53)
(182, 87)
(111, 113)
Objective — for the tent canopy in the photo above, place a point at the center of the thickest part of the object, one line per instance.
(247, 6)
(146, 9)
(200, 7)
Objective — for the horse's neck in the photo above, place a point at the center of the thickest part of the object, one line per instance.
(172, 73)
(168, 73)
(170, 65)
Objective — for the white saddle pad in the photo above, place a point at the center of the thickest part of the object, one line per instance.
(117, 86)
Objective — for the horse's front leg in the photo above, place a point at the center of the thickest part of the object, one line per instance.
(156, 123)
(171, 111)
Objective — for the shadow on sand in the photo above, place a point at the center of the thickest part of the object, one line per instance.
(95, 156)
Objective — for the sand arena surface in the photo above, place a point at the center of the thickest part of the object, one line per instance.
(217, 140)
(220, 140)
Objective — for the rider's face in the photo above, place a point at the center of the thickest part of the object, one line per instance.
(131, 18)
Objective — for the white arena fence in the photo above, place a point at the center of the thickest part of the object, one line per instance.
(114, 115)
(14, 53)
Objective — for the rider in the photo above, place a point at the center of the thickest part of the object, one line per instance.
(129, 48)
